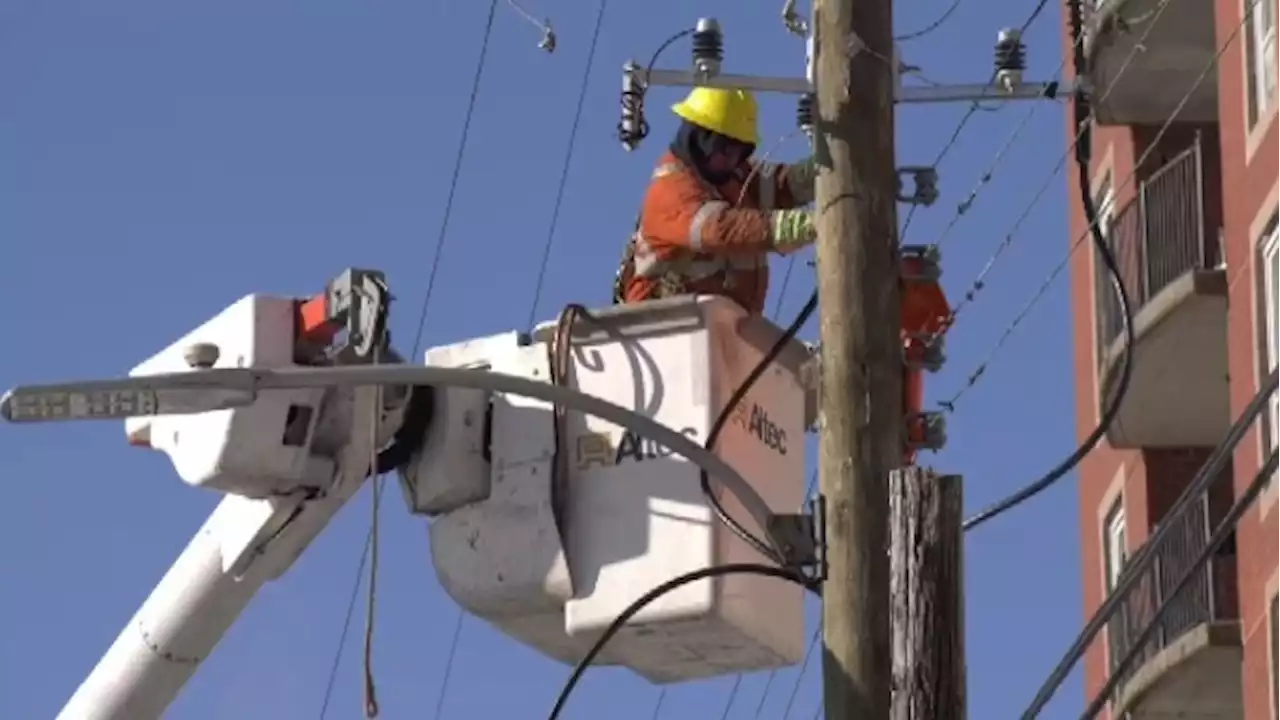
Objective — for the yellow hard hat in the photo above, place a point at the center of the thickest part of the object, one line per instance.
(729, 112)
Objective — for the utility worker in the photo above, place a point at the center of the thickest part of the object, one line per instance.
(712, 215)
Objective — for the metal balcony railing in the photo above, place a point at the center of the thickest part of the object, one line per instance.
(1156, 238)
(1194, 605)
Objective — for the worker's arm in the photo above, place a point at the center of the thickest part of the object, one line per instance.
(680, 212)
(780, 186)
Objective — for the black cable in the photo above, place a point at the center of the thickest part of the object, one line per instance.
(422, 319)
(457, 170)
(448, 667)
(1219, 536)
(633, 100)
(1138, 563)
(435, 266)
(973, 110)
(1218, 460)
(917, 34)
(1084, 151)
(722, 420)
(644, 600)
(568, 159)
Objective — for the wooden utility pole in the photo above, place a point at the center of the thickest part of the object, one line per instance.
(862, 423)
(927, 589)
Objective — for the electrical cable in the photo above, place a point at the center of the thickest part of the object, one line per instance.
(644, 600)
(1140, 561)
(927, 29)
(538, 284)
(633, 100)
(1082, 147)
(733, 692)
(457, 171)
(974, 108)
(764, 694)
(448, 665)
(451, 655)
(739, 394)
(1112, 409)
(722, 420)
(963, 206)
(380, 482)
(1216, 540)
(564, 170)
(795, 688)
(979, 282)
(737, 685)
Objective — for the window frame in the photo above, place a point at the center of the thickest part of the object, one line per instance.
(1268, 258)
(1260, 47)
(1115, 544)
(1104, 205)
(1104, 202)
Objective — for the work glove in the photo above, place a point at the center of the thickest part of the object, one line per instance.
(792, 230)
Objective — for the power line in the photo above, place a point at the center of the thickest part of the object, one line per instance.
(1216, 540)
(457, 170)
(564, 170)
(974, 108)
(417, 340)
(737, 684)
(927, 29)
(963, 206)
(1217, 459)
(979, 282)
(448, 664)
(795, 688)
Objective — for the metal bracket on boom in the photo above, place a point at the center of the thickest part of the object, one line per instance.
(926, 185)
(802, 537)
(346, 322)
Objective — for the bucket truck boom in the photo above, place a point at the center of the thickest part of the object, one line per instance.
(560, 470)
(286, 464)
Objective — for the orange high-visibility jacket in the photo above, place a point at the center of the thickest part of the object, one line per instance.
(695, 238)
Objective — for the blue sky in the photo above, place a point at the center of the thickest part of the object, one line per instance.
(159, 160)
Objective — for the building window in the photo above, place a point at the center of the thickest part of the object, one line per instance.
(1105, 205)
(1105, 302)
(1269, 333)
(1115, 550)
(1260, 58)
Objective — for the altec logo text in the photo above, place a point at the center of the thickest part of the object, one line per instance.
(755, 420)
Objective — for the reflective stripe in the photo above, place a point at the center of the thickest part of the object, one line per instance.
(666, 169)
(648, 265)
(768, 185)
(709, 209)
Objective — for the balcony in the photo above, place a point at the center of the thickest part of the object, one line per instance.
(1191, 667)
(1143, 61)
(1178, 296)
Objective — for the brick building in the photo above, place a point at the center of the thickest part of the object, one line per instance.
(1193, 228)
